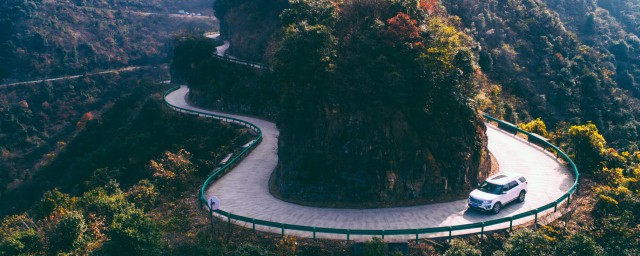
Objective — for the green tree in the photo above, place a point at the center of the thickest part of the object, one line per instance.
(133, 233)
(191, 52)
(587, 147)
(52, 201)
(173, 170)
(18, 236)
(579, 244)
(144, 195)
(461, 248)
(68, 233)
(312, 12)
(444, 40)
(101, 203)
(525, 242)
(375, 247)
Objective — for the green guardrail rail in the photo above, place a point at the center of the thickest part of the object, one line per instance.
(378, 232)
(219, 42)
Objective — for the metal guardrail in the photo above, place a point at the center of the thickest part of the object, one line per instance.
(222, 170)
(219, 42)
(379, 232)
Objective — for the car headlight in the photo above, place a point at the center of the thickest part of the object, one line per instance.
(486, 201)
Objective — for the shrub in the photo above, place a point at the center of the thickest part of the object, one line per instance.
(18, 236)
(579, 245)
(375, 247)
(144, 195)
(250, 250)
(287, 246)
(68, 233)
(133, 233)
(524, 242)
(536, 126)
(461, 248)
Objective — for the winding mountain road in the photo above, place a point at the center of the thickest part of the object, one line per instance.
(245, 190)
(222, 53)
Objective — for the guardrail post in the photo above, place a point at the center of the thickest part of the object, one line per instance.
(510, 223)
(282, 229)
(568, 200)
(348, 234)
(450, 229)
(555, 206)
(417, 236)
(229, 223)
(314, 233)
(482, 230)
(577, 188)
(535, 220)
(253, 225)
(382, 234)
(211, 218)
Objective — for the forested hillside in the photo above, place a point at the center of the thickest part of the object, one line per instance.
(527, 49)
(250, 35)
(42, 39)
(36, 121)
(55, 38)
(124, 186)
(152, 6)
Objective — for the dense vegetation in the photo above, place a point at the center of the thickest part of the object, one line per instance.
(250, 35)
(55, 38)
(527, 49)
(151, 6)
(376, 103)
(119, 144)
(36, 121)
(234, 88)
(131, 160)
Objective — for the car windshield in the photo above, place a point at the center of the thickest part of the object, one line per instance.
(490, 188)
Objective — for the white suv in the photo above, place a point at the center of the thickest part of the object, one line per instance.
(497, 191)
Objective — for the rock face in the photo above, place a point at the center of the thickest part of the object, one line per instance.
(365, 156)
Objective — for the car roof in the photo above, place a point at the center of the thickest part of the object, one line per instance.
(503, 178)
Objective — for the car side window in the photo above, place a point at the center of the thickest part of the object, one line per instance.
(522, 179)
(513, 184)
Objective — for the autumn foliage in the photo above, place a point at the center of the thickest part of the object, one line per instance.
(431, 6)
(172, 170)
(84, 119)
(403, 29)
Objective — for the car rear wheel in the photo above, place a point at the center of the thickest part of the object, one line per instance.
(497, 207)
(521, 196)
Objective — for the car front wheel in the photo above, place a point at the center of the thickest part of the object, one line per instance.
(497, 207)
(521, 196)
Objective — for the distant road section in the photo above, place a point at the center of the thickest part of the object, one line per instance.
(222, 53)
(245, 190)
(127, 69)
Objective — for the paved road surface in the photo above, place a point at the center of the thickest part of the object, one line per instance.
(222, 52)
(244, 191)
